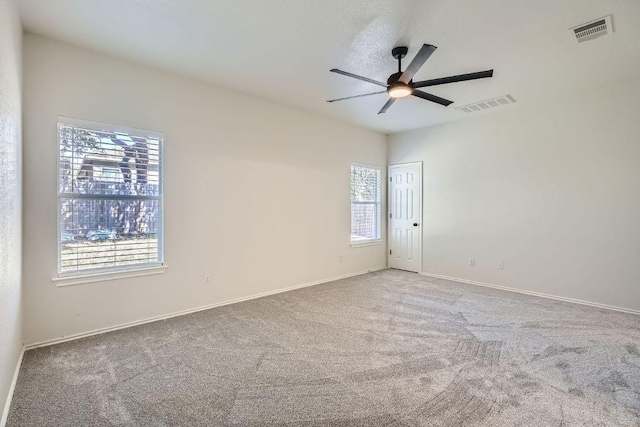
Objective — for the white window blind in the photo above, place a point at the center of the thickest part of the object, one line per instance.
(365, 203)
(109, 197)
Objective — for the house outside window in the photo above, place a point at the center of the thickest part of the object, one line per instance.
(365, 204)
(109, 197)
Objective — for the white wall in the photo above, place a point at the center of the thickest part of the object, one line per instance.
(10, 191)
(256, 194)
(551, 190)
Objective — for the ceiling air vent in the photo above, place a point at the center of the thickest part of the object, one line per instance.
(485, 105)
(594, 29)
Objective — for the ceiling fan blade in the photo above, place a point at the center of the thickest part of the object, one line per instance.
(387, 105)
(432, 98)
(425, 52)
(454, 79)
(355, 76)
(357, 96)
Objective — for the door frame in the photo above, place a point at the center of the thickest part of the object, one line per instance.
(389, 167)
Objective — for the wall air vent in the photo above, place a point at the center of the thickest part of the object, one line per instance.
(594, 29)
(487, 104)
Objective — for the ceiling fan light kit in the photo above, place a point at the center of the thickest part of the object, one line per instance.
(401, 84)
(399, 90)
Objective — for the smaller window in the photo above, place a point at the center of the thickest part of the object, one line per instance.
(365, 204)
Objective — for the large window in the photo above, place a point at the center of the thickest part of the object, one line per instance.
(109, 197)
(365, 204)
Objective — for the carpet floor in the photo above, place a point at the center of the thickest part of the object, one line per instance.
(384, 349)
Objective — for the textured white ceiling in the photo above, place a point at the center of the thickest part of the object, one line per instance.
(282, 50)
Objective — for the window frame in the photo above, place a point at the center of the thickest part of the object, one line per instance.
(88, 275)
(372, 241)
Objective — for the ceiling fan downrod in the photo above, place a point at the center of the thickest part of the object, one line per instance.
(399, 53)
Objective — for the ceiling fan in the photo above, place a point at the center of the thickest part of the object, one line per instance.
(401, 84)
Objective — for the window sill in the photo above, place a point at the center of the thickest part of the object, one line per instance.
(109, 275)
(366, 243)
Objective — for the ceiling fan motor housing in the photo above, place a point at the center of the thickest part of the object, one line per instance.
(393, 78)
(396, 88)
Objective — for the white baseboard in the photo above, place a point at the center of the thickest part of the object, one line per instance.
(536, 294)
(29, 346)
(12, 388)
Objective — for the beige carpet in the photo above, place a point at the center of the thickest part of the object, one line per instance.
(383, 349)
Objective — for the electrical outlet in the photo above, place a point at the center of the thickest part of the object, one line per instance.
(501, 265)
(207, 279)
(472, 261)
(340, 258)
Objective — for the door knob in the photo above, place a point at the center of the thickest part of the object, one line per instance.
(415, 224)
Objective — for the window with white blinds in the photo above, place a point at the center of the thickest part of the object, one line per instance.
(365, 203)
(109, 197)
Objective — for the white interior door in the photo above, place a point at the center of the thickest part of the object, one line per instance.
(405, 216)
